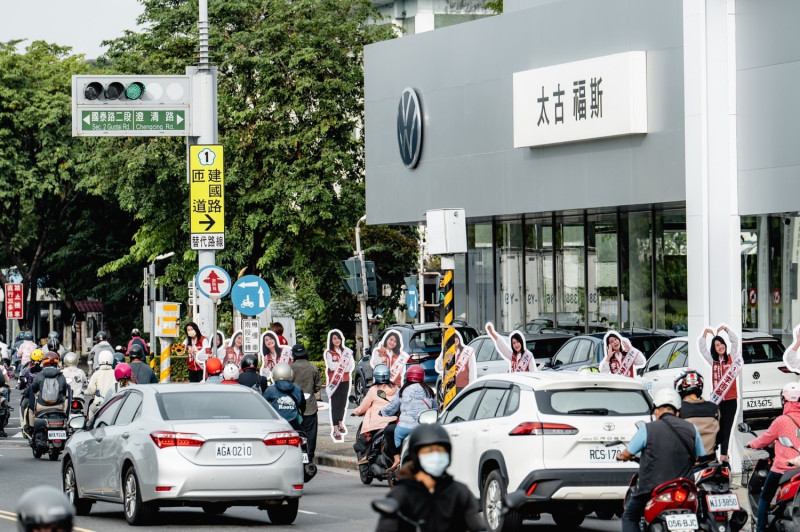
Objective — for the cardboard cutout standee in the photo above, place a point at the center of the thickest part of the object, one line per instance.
(234, 353)
(272, 353)
(339, 363)
(790, 356)
(621, 358)
(465, 364)
(390, 352)
(515, 351)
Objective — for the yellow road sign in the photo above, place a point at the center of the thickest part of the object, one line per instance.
(207, 196)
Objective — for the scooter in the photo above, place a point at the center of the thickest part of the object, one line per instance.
(718, 507)
(5, 409)
(309, 468)
(371, 447)
(77, 407)
(50, 433)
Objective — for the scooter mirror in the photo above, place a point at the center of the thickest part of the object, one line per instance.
(386, 506)
(78, 422)
(743, 427)
(786, 442)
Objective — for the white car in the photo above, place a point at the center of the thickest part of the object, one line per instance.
(544, 433)
(763, 376)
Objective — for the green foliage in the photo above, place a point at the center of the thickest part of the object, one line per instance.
(495, 5)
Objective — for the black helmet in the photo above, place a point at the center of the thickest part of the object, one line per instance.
(100, 336)
(688, 383)
(428, 434)
(21, 335)
(136, 352)
(53, 344)
(53, 334)
(28, 335)
(118, 357)
(248, 361)
(44, 506)
(135, 332)
(380, 375)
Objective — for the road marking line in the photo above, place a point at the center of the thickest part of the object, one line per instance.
(8, 513)
(8, 518)
(307, 512)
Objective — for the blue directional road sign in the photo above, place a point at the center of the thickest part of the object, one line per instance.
(212, 281)
(250, 295)
(412, 301)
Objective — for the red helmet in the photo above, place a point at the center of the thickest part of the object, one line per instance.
(214, 366)
(415, 373)
(122, 371)
(50, 359)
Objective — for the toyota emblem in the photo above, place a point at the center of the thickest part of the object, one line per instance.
(609, 427)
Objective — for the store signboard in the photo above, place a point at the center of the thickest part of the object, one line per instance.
(596, 98)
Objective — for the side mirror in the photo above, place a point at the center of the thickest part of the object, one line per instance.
(386, 506)
(786, 442)
(547, 362)
(640, 372)
(78, 422)
(743, 427)
(428, 417)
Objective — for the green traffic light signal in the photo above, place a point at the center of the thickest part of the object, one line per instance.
(134, 91)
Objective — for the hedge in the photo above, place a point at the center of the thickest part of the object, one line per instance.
(179, 370)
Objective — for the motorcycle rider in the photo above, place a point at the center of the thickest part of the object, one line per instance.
(5, 409)
(144, 374)
(35, 395)
(44, 508)
(26, 348)
(701, 413)
(230, 375)
(137, 340)
(124, 377)
(101, 380)
(669, 446)
(787, 425)
(100, 344)
(286, 398)
(25, 381)
(248, 376)
(214, 370)
(379, 395)
(425, 492)
(306, 376)
(54, 344)
(76, 378)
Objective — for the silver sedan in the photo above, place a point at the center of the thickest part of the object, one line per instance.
(207, 445)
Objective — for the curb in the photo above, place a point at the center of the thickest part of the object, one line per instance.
(335, 460)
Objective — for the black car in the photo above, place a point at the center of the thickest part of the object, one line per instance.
(587, 349)
(423, 343)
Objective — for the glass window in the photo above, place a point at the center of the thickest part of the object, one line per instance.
(545, 348)
(483, 353)
(661, 357)
(480, 253)
(106, 414)
(463, 407)
(762, 351)
(679, 356)
(647, 344)
(570, 263)
(583, 351)
(602, 272)
(539, 301)
(636, 253)
(490, 403)
(671, 274)
(509, 268)
(513, 400)
(130, 408)
(564, 354)
(593, 401)
(203, 405)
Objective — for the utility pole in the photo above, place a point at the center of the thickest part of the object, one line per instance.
(364, 295)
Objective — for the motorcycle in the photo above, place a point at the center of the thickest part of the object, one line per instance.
(5, 409)
(309, 468)
(370, 446)
(77, 407)
(50, 433)
(718, 507)
(782, 517)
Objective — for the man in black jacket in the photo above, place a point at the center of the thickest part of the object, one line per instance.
(425, 493)
(306, 376)
(249, 375)
(143, 373)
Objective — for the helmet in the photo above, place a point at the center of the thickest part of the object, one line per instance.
(53, 334)
(135, 332)
(667, 396)
(428, 434)
(70, 359)
(105, 358)
(28, 335)
(415, 373)
(21, 335)
(117, 357)
(231, 372)
(282, 372)
(36, 356)
(380, 374)
(100, 336)
(248, 361)
(53, 344)
(44, 506)
(791, 392)
(122, 371)
(50, 359)
(213, 365)
(690, 382)
(136, 351)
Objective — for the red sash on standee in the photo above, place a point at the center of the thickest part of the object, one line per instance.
(627, 362)
(463, 358)
(523, 362)
(338, 374)
(398, 366)
(727, 380)
(286, 355)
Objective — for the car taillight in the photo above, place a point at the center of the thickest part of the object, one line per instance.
(540, 429)
(176, 439)
(288, 437)
(784, 369)
(74, 404)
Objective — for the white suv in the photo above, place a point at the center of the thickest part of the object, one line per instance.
(544, 433)
(763, 376)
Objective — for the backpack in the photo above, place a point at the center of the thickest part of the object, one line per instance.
(50, 391)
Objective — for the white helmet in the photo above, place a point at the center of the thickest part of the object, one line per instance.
(667, 396)
(231, 372)
(105, 358)
(791, 392)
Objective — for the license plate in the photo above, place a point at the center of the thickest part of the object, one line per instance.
(761, 402)
(227, 451)
(56, 434)
(681, 521)
(305, 458)
(603, 454)
(724, 502)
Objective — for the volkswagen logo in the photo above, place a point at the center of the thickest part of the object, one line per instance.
(409, 127)
(609, 427)
(756, 375)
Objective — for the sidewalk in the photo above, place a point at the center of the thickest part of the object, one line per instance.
(336, 454)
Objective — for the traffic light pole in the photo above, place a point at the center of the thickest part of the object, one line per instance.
(364, 295)
(204, 114)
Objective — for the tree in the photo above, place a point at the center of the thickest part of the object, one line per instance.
(290, 107)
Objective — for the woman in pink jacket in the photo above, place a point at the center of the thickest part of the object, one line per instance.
(786, 425)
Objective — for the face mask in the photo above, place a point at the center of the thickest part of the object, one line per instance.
(434, 464)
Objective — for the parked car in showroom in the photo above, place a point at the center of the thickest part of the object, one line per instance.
(544, 433)
(588, 349)
(201, 445)
(422, 342)
(763, 375)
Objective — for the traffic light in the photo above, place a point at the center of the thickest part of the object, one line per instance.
(372, 280)
(353, 283)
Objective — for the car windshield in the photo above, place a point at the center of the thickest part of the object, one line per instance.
(593, 401)
(756, 351)
(204, 405)
(432, 339)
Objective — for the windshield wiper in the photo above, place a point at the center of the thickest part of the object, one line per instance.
(596, 411)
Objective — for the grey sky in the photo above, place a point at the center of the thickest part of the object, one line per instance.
(81, 24)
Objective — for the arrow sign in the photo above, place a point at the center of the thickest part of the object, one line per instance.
(250, 295)
(208, 222)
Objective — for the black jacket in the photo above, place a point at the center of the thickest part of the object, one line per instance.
(46, 373)
(250, 378)
(451, 506)
(144, 374)
(668, 454)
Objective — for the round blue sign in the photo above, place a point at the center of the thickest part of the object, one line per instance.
(250, 295)
(212, 281)
(412, 301)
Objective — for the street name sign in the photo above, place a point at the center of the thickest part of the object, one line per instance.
(144, 121)
(207, 197)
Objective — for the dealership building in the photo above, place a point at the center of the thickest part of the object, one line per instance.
(621, 163)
